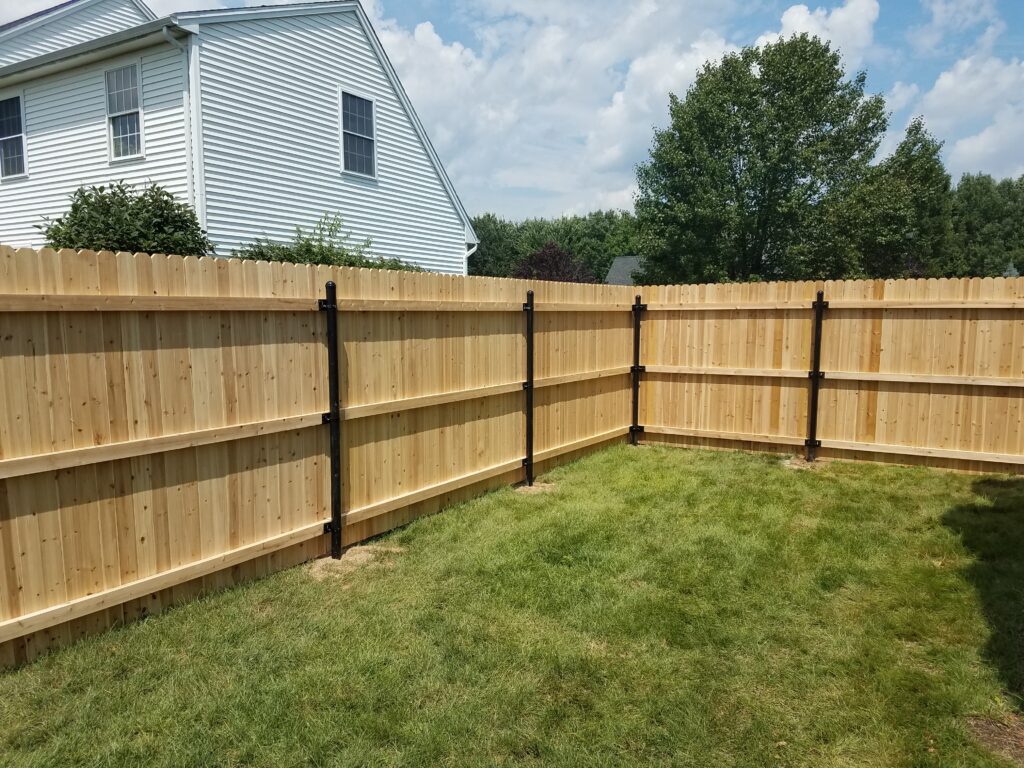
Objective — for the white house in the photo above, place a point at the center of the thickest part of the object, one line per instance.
(263, 119)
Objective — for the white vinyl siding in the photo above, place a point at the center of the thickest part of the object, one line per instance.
(70, 28)
(273, 147)
(66, 137)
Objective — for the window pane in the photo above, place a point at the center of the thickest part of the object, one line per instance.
(358, 154)
(125, 137)
(357, 115)
(12, 157)
(122, 89)
(10, 117)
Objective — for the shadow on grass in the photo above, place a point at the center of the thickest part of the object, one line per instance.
(992, 529)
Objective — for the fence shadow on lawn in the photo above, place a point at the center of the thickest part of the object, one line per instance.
(993, 531)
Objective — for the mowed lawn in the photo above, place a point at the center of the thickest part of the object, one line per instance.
(652, 607)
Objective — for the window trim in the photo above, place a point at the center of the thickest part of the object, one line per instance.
(20, 95)
(141, 154)
(342, 92)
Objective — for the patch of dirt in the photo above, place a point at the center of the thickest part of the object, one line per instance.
(353, 559)
(537, 487)
(1005, 739)
(799, 462)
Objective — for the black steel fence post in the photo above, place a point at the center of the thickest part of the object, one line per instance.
(635, 429)
(812, 442)
(528, 387)
(333, 416)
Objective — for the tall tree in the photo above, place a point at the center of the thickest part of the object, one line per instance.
(897, 221)
(763, 149)
(988, 223)
(917, 165)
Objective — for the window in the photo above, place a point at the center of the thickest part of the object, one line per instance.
(12, 138)
(123, 113)
(357, 135)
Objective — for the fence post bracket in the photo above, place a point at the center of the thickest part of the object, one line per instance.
(333, 417)
(528, 386)
(815, 375)
(635, 370)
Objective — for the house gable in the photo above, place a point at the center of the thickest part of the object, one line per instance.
(68, 24)
(271, 85)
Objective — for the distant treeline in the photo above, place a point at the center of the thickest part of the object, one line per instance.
(593, 240)
(983, 235)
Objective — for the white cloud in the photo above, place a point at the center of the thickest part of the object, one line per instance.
(901, 95)
(552, 106)
(973, 89)
(623, 127)
(997, 149)
(849, 27)
(977, 104)
(951, 17)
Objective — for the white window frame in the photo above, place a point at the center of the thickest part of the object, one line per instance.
(141, 155)
(341, 128)
(20, 95)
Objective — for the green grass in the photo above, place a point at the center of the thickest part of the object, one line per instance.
(657, 606)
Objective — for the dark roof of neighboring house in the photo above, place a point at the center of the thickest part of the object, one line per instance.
(36, 15)
(621, 272)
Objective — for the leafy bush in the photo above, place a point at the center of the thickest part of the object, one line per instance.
(327, 244)
(116, 218)
(553, 263)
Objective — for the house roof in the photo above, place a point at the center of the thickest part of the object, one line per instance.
(621, 272)
(36, 15)
(60, 9)
(124, 41)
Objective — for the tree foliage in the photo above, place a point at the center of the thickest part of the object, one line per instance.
(988, 225)
(117, 218)
(328, 243)
(551, 262)
(497, 253)
(595, 239)
(767, 171)
(896, 222)
(757, 163)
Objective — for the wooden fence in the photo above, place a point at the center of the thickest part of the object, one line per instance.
(918, 371)
(163, 432)
(163, 428)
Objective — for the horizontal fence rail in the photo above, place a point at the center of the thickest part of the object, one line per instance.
(173, 425)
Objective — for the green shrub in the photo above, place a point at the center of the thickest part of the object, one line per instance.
(117, 218)
(327, 244)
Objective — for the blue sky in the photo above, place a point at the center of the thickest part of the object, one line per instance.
(545, 107)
